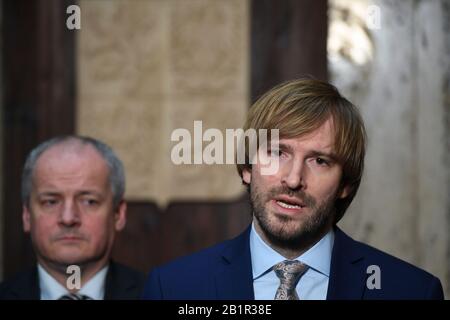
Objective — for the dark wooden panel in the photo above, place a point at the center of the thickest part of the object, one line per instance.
(288, 40)
(139, 244)
(38, 101)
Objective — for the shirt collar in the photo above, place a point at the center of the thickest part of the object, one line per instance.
(318, 257)
(53, 290)
(50, 288)
(95, 287)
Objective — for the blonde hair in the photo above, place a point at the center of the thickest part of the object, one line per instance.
(299, 107)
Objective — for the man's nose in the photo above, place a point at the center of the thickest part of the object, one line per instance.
(294, 175)
(70, 215)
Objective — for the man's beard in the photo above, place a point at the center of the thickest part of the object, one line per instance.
(279, 231)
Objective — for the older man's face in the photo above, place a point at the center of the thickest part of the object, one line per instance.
(295, 205)
(70, 215)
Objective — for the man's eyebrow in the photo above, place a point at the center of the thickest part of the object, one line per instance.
(317, 153)
(89, 193)
(285, 146)
(81, 193)
(48, 194)
(312, 153)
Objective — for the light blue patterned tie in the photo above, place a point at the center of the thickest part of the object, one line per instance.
(289, 273)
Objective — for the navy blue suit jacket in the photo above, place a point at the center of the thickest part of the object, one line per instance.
(224, 272)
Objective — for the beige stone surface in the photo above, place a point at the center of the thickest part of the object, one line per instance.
(208, 47)
(148, 67)
(204, 181)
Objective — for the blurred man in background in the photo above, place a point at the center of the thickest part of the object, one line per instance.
(73, 205)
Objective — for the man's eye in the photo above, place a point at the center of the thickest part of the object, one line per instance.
(49, 202)
(321, 161)
(90, 202)
(275, 153)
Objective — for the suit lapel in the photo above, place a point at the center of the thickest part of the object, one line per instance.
(347, 274)
(234, 279)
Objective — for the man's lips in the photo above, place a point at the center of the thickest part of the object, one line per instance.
(70, 238)
(289, 202)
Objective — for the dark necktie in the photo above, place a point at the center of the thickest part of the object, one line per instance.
(74, 296)
(289, 273)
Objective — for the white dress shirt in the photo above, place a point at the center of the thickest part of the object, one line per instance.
(53, 290)
(313, 285)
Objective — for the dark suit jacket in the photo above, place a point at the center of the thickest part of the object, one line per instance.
(122, 283)
(224, 272)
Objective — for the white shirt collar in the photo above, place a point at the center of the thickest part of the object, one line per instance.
(53, 290)
(318, 257)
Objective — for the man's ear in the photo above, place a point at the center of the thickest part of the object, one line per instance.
(246, 175)
(26, 219)
(345, 191)
(120, 216)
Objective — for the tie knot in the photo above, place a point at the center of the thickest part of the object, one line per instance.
(74, 296)
(288, 269)
(289, 273)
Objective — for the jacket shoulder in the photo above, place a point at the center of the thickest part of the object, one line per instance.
(398, 278)
(394, 264)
